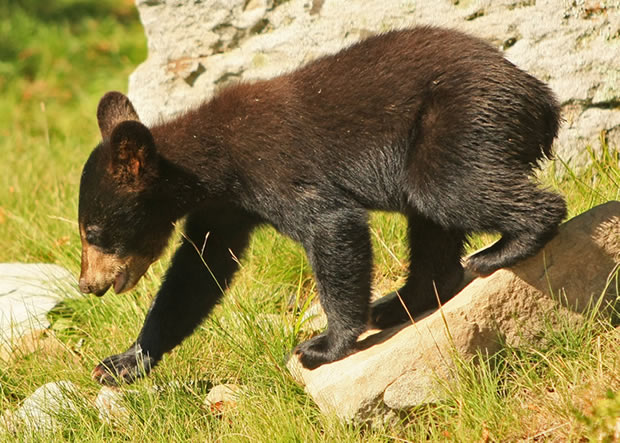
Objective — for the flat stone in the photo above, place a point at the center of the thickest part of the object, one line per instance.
(401, 367)
(27, 293)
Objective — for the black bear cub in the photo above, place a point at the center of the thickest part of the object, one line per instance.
(428, 122)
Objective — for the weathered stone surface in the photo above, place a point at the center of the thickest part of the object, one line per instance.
(38, 412)
(196, 47)
(400, 367)
(27, 293)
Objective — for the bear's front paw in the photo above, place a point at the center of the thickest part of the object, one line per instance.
(318, 351)
(123, 368)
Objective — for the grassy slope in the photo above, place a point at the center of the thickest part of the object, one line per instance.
(56, 59)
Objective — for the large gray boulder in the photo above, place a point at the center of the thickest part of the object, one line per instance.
(197, 46)
(404, 366)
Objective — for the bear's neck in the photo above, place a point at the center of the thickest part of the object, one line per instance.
(195, 169)
(208, 151)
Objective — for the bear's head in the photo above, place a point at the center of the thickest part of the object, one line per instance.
(123, 227)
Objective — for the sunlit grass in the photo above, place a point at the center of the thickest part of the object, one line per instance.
(56, 58)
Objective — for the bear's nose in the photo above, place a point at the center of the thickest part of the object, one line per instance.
(84, 286)
(87, 287)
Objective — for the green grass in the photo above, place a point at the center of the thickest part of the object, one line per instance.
(56, 60)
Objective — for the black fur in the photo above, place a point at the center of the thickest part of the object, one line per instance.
(428, 122)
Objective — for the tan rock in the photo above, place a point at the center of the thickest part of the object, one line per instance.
(401, 367)
(222, 398)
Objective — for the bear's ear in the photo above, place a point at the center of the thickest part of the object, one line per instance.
(114, 108)
(132, 155)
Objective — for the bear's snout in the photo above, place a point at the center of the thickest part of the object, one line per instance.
(86, 287)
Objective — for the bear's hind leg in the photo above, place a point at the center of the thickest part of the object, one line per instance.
(434, 270)
(526, 225)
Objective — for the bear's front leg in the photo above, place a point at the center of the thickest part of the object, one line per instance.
(339, 251)
(201, 268)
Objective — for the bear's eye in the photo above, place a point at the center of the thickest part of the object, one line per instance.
(94, 236)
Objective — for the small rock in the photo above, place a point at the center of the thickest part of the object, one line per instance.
(111, 407)
(111, 401)
(222, 397)
(39, 410)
